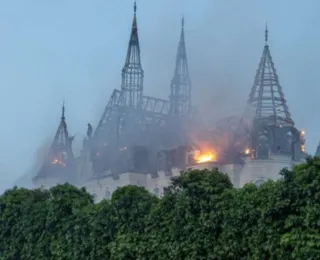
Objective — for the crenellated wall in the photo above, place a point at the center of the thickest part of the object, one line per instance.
(256, 171)
(253, 170)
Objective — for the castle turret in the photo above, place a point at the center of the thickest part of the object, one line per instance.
(273, 130)
(267, 136)
(59, 164)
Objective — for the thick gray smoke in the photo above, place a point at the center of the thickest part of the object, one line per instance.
(223, 47)
(219, 87)
(41, 152)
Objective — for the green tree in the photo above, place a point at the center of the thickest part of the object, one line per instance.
(22, 221)
(200, 216)
(131, 206)
(187, 221)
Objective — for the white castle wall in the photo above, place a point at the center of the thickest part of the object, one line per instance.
(261, 170)
(108, 183)
(253, 170)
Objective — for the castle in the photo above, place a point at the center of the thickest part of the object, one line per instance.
(144, 141)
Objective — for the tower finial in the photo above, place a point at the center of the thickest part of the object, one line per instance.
(266, 33)
(63, 109)
(182, 21)
(135, 7)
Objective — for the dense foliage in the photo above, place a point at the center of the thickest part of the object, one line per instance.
(200, 216)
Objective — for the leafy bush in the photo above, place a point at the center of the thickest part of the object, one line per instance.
(200, 216)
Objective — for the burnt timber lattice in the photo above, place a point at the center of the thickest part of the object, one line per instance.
(180, 96)
(266, 96)
(267, 127)
(134, 128)
(142, 134)
(273, 128)
(60, 162)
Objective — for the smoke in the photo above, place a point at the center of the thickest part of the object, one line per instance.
(81, 60)
(40, 154)
(219, 87)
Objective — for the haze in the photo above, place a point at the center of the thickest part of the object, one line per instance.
(75, 50)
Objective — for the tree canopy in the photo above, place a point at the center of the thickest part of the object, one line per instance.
(200, 216)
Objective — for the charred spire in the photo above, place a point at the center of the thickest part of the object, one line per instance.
(266, 97)
(62, 139)
(132, 72)
(59, 163)
(180, 96)
(273, 131)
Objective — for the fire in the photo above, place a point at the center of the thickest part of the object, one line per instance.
(247, 151)
(56, 161)
(302, 140)
(209, 156)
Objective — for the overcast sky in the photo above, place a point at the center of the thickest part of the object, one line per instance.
(75, 50)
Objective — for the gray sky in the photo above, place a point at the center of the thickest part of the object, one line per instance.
(75, 50)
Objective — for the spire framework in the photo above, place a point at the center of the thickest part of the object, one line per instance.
(132, 72)
(60, 159)
(61, 146)
(273, 131)
(180, 94)
(266, 97)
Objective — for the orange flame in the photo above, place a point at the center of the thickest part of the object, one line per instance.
(56, 161)
(209, 156)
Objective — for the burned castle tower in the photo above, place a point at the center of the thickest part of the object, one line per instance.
(273, 141)
(123, 127)
(59, 165)
(131, 126)
(139, 137)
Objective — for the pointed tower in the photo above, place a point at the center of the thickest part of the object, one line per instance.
(59, 165)
(132, 72)
(273, 130)
(266, 97)
(180, 96)
(266, 140)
